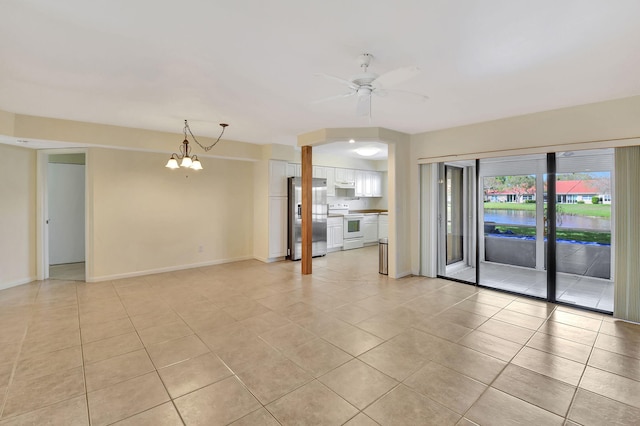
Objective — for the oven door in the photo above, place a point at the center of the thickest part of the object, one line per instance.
(353, 227)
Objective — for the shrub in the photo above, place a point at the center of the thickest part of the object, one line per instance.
(530, 201)
(580, 202)
(595, 199)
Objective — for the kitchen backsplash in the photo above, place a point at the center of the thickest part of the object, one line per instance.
(362, 203)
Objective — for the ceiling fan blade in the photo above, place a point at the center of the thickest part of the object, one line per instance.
(338, 79)
(397, 76)
(331, 98)
(414, 95)
(363, 108)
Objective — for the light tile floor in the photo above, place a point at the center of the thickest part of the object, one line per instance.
(67, 271)
(579, 290)
(259, 344)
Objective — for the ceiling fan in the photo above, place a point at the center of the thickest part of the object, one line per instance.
(366, 84)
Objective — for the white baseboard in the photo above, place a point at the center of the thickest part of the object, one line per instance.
(166, 269)
(402, 274)
(4, 286)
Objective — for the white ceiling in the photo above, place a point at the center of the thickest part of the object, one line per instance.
(151, 64)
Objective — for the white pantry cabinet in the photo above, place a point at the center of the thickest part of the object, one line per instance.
(277, 178)
(277, 227)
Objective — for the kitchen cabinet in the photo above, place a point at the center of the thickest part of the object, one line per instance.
(360, 178)
(277, 178)
(345, 175)
(294, 170)
(376, 184)
(320, 172)
(383, 226)
(335, 234)
(370, 228)
(277, 227)
(368, 183)
(331, 182)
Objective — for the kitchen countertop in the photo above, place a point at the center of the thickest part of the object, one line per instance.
(335, 215)
(374, 211)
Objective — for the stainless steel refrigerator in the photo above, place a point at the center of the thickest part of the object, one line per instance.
(319, 212)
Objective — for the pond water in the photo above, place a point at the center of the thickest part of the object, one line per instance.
(520, 217)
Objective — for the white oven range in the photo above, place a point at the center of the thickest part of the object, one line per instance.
(353, 233)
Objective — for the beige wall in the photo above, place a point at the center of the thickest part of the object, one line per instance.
(261, 210)
(146, 218)
(17, 216)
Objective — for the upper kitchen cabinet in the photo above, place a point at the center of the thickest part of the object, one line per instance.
(331, 182)
(376, 184)
(368, 184)
(294, 170)
(360, 186)
(345, 175)
(320, 172)
(277, 178)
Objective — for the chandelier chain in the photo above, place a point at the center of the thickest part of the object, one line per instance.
(206, 148)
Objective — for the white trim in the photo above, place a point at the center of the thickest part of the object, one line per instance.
(402, 274)
(42, 234)
(166, 269)
(269, 259)
(17, 283)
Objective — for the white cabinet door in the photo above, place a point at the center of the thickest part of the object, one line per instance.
(338, 236)
(368, 184)
(376, 184)
(277, 226)
(383, 226)
(360, 178)
(370, 232)
(320, 172)
(345, 175)
(294, 170)
(331, 182)
(370, 228)
(334, 232)
(277, 178)
(329, 237)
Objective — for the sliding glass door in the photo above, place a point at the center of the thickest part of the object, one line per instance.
(512, 221)
(583, 228)
(538, 225)
(456, 233)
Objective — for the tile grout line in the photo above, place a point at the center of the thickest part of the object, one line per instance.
(17, 357)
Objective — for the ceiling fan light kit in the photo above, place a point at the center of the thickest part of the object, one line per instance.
(367, 83)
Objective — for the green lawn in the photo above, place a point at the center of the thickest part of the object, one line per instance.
(561, 234)
(593, 210)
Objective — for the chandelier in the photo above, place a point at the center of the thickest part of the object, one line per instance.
(188, 160)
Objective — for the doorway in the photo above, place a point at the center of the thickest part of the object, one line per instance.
(63, 190)
(456, 233)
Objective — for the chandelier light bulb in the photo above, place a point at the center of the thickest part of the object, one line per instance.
(172, 163)
(196, 165)
(186, 162)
